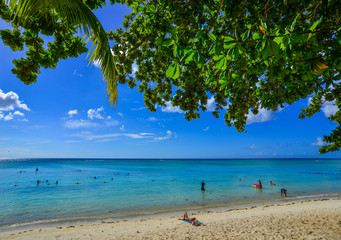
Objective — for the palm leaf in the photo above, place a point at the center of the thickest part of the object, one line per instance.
(78, 14)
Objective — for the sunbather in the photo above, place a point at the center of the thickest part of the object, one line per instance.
(194, 221)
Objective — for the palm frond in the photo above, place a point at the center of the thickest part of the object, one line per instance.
(78, 14)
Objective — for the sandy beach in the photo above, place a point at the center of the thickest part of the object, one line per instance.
(310, 219)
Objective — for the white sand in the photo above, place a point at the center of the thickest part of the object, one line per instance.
(312, 219)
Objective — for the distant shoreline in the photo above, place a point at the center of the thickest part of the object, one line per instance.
(161, 159)
(314, 218)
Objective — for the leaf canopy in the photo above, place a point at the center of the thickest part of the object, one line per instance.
(59, 18)
(247, 54)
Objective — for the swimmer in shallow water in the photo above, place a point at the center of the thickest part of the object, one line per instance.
(203, 185)
(259, 184)
(283, 192)
(272, 183)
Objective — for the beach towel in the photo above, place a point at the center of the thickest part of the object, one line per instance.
(190, 222)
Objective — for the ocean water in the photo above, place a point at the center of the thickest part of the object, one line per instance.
(125, 188)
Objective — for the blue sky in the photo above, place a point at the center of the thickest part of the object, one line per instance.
(67, 114)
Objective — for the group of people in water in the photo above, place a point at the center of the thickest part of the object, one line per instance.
(259, 186)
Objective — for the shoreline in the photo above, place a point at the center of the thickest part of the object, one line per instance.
(160, 225)
(46, 223)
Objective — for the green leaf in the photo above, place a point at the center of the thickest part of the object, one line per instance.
(229, 39)
(174, 35)
(173, 71)
(212, 36)
(222, 64)
(278, 40)
(236, 52)
(293, 24)
(188, 57)
(228, 46)
(274, 48)
(235, 75)
(217, 58)
(176, 50)
(266, 50)
(152, 8)
(312, 28)
(246, 34)
(168, 42)
(212, 49)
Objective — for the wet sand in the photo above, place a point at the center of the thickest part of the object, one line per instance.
(310, 219)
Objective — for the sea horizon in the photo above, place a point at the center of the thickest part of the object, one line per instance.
(154, 158)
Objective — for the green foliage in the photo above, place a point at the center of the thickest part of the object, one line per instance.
(247, 54)
(60, 19)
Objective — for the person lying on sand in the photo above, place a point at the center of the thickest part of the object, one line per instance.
(194, 221)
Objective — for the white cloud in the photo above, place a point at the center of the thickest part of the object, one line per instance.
(95, 113)
(136, 135)
(88, 136)
(171, 109)
(10, 100)
(72, 112)
(8, 117)
(120, 114)
(138, 109)
(23, 119)
(80, 124)
(122, 128)
(319, 142)
(152, 119)
(135, 68)
(253, 146)
(169, 134)
(206, 128)
(18, 113)
(112, 122)
(71, 141)
(262, 116)
(77, 74)
(329, 108)
(147, 134)
(210, 104)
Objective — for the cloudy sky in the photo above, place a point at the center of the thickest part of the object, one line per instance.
(66, 114)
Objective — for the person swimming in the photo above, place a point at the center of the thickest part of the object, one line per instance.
(283, 191)
(272, 183)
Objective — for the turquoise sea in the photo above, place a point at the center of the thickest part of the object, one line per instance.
(90, 189)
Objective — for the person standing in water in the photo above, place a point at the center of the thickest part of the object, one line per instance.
(260, 184)
(203, 185)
